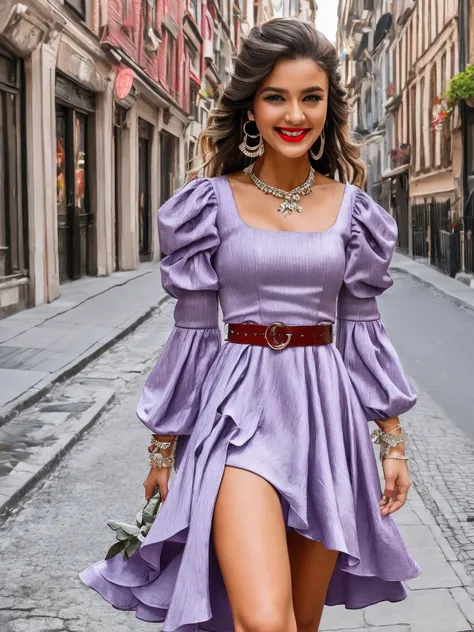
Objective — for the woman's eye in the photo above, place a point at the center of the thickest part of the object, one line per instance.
(312, 97)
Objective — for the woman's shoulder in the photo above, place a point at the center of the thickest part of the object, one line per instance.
(370, 221)
(189, 215)
(192, 196)
(365, 207)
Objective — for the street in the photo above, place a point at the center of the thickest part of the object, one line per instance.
(434, 339)
(60, 526)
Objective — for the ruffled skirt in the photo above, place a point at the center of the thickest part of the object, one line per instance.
(293, 418)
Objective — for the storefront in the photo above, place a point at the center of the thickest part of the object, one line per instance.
(74, 104)
(13, 221)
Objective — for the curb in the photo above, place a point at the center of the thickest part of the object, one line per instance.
(452, 297)
(35, 393)
(29, 476)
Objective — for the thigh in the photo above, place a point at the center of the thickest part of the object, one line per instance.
(250, 543)
(312, 566)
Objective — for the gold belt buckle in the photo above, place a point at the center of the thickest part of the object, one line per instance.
(271, 330)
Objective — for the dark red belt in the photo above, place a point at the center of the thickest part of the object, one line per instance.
(279, 335)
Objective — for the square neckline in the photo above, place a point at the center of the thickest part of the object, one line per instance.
(296, 232)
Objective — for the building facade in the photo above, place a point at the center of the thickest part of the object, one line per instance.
(397, 58)
(101, 104)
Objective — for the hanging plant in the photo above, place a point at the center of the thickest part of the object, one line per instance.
(461, 87)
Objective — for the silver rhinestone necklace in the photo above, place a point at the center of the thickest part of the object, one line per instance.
(291, 198)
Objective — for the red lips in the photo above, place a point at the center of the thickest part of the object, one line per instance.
(293, 129)
(292, 139)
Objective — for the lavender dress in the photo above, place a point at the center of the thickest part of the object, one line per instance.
(297, 417)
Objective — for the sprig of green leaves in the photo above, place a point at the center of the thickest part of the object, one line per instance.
(130, 537)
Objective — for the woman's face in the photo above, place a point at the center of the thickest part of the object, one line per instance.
(292, 98)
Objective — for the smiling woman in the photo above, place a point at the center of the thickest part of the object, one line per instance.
(276, 508)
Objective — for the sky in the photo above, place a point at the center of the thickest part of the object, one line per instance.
(326, 18)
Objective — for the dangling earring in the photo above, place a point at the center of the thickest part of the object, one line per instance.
(248, 150)
(321, 149)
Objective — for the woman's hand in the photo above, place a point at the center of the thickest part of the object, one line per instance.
(397, 484)
(157, 477)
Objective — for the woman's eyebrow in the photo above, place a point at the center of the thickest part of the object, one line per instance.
(282, 90)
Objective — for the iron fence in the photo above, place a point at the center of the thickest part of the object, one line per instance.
(436, 236)
(468, 221)
(420, 230)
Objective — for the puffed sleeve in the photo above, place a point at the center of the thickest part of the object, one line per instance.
(169, 401)
(371, 361)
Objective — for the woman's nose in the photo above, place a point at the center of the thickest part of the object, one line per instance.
(295, 114)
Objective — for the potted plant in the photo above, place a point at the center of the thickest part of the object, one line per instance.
(393, 158)
(400, 156)
(404, 153)
(461, 87)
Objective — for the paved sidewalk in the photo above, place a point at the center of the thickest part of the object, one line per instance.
(45, 344)
(439, 600)
(451, 288)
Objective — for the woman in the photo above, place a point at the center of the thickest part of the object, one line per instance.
(276, 507)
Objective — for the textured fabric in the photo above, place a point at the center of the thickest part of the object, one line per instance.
(370, 359)
(169, 402)
(249, 406)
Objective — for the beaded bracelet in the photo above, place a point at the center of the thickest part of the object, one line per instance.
(387, 441)
(156, 458)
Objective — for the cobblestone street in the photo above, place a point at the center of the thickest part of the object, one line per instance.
(60, 527)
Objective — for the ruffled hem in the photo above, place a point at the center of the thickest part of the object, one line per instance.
(330, 494)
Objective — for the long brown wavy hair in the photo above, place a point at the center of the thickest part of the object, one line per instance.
(265, 45)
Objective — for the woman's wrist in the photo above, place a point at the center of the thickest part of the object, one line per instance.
(391, 437)
(387, 425)
(165, 439)
(162, 451)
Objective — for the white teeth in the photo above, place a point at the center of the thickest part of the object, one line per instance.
(290, 133)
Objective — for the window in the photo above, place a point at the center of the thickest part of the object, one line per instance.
(419, 31)
(128, 21)
(446, 133)
(413, 139)
(193, 9)
(256, 12)
(433, 135)
(193, 57)
(470, 141)
(149, 14)
(171, 64)
(424, 24)
(193, 107)
(79, 7)
(12, 258)
(422, 125)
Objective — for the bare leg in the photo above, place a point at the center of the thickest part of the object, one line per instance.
(250, 542)
(312, 566)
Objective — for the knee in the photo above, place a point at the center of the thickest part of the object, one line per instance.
(265, 622)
